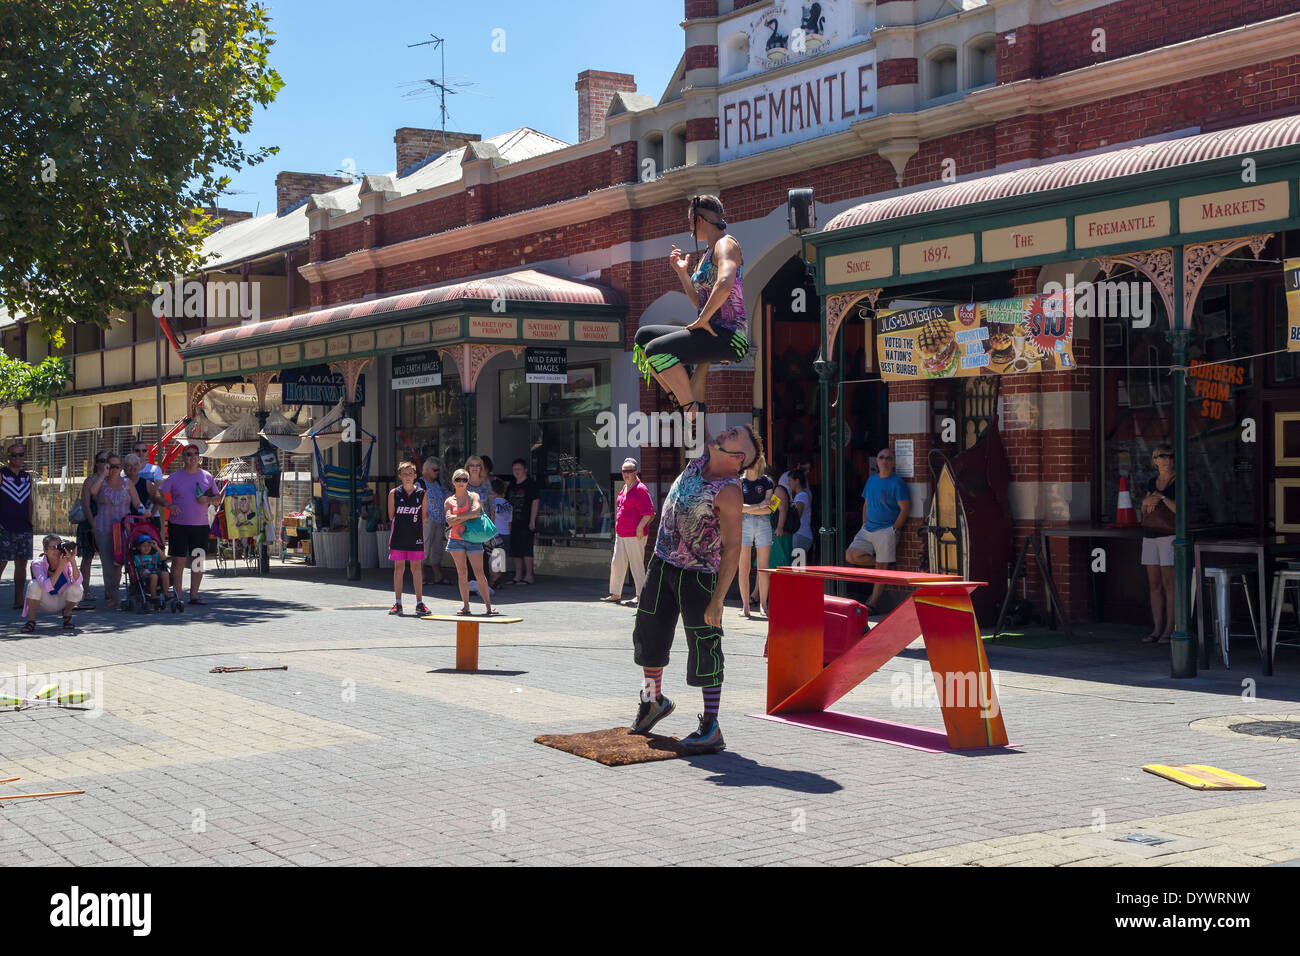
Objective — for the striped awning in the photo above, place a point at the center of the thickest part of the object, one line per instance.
(1129, 161)
(512, 292)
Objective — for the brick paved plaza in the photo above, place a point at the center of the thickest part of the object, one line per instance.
(367, 750)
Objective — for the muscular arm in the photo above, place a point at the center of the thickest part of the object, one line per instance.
(727, 506)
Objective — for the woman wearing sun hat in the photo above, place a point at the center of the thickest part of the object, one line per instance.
(633, 513)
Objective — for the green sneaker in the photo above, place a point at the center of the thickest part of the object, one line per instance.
(650, 713)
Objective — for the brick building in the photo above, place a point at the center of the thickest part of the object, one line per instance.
(864, 102)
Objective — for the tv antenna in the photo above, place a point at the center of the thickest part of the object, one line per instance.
(440, 84)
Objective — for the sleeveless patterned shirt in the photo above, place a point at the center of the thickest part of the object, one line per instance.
(689, 537)
(731, 315)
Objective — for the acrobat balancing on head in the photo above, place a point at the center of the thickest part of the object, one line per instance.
(718, 333)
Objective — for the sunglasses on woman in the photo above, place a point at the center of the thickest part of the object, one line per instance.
(461, 481)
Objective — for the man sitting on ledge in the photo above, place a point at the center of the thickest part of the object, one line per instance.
(55, 584)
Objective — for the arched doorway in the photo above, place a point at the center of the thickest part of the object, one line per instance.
(790, 321)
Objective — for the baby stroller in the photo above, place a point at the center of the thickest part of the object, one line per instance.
(135, 527)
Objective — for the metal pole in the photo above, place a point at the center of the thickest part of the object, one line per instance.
(825, 372)
(1182, 650)
(157, 368)
(264, 556)
(840, 533)
(354, 559)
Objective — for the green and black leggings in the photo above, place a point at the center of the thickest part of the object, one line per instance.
(670, 592)
(660, 347)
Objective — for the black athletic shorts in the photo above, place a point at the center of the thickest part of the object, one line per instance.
(521, 540)
(183, 539)
(660, 347)
(670, 592)
(85, 540)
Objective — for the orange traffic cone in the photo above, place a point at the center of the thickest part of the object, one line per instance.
(1124, 516)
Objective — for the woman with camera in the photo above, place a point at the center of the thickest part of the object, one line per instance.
(56, 582)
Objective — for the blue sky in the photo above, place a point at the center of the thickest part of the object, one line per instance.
(343, 63)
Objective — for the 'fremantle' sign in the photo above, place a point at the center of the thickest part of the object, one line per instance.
(821, 99)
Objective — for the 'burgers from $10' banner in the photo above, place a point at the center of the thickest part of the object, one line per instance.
(1003, 337)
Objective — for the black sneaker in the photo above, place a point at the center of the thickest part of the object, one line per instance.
(706, 740)
(650, 713)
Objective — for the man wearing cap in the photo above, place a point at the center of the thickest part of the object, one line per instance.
(632, 515)
(192, 489)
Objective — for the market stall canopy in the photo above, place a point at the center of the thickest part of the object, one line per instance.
(235, 441)
(521, 307)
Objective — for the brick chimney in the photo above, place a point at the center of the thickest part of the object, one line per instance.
(226, 217)
(293, 188)
(595, 90)
(416, 145)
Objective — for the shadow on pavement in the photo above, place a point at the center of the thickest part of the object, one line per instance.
(732, 770)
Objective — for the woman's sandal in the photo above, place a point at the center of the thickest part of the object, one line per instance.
(29, 627)
(464, 612)
(1150, 638)
(67, 624)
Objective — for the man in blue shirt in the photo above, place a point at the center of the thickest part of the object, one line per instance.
(886, 504)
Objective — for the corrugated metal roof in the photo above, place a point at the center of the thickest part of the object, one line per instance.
(1074, 172)
(519, 288)
(253, 237)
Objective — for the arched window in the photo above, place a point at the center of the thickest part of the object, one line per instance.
(735, 54)
(675, 148)
(941, 73)
(651, 148)
(982, 61)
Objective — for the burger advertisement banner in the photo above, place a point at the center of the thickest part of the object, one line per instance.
(1291, 286)
(1004, 337)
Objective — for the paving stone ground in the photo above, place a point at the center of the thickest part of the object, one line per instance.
(368, 750)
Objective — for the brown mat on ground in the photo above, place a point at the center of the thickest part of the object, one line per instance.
(615, 747)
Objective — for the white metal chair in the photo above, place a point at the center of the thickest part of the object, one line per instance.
(1281, 581)
(1221, 609)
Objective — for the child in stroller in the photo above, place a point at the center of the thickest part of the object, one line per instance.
(146, 567)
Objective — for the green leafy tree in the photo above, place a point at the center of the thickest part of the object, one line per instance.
(40, 384)
(117, 118)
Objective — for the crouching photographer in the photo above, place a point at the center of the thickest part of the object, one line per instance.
(56, 582)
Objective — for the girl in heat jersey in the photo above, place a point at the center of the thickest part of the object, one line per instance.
(406, 539)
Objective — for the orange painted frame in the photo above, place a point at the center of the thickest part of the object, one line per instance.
(939, 611)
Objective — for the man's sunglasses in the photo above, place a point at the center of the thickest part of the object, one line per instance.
(18, 454)
(191, 454)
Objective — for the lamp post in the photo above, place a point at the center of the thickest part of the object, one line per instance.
(1183, 649)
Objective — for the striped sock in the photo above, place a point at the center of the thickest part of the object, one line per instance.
(655, 676)
(712, 698)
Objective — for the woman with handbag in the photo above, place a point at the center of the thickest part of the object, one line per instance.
(464, 514)
(1158, 510)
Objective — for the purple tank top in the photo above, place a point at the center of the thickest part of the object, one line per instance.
(689, 537)
(731, 315)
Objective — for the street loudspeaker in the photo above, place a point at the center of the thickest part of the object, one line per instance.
(802, 211)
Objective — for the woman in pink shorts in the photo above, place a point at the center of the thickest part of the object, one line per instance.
(406, 539)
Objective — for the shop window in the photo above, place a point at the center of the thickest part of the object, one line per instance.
(430, 423)
(941, 73)
(514, 396)
(1134, 411)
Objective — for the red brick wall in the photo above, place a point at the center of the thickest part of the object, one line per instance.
(701, 128)
(553, 184)
(596, 88)
(701, 57)
(1136, 26)
(1019, 60)
(896, 72)
(701, 8)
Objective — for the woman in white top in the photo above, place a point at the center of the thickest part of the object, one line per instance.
(803, 502)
